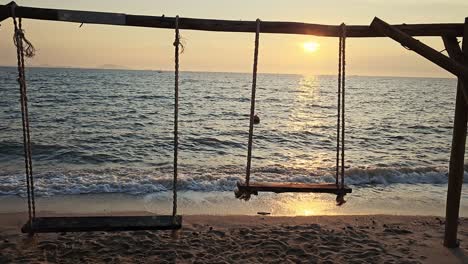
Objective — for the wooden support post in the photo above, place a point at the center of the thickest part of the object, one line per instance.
(457, 155)
(422, 49)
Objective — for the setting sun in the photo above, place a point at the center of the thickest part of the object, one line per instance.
(232, 129)
(311, 46)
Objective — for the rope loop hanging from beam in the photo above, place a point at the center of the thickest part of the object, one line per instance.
(20, 40)
(19, 37)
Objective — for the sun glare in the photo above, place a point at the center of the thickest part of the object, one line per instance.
(311, 46)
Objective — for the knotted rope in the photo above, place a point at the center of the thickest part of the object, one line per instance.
(29, 51)
(19, 40)
(176, 115)
(246, 195)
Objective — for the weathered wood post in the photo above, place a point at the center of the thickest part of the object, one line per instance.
(457, 65)
(457, 155)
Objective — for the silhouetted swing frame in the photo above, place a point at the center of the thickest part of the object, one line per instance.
(456, 62)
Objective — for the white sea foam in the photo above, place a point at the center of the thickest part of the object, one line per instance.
(55, 183)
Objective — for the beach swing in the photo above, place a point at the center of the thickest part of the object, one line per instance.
(37, 224)
(246, 189)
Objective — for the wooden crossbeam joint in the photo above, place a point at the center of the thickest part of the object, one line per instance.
(453, 49)
(454, 52)
(422, 49)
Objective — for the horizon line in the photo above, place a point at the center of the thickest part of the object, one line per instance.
(122, 68)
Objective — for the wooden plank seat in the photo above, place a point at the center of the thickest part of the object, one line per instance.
(102, 223)
(282, 187)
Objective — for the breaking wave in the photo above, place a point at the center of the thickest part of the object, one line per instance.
(138, 182)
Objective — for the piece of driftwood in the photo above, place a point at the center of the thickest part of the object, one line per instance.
(422, 49)
(283, 187)
(102, 223)
(449, 29)
(457, 154)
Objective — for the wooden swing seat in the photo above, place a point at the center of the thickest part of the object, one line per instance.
(102, 223)
(283, 187)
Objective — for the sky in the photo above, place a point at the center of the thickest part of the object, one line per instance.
(62, 44)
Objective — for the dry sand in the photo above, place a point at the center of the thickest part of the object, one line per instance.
(246, 239)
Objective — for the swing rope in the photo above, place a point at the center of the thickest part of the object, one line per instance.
(25, 48)
(252, 105)
(176, 115)
(244, 191)
(20, 40)
(340, 130)
(338, 122)
(343, 76)
(245, 195)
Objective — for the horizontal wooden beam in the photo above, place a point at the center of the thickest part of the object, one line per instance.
(452, 29)
(422, 49)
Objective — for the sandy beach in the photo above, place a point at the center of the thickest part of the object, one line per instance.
(245, 239)
(137, 113)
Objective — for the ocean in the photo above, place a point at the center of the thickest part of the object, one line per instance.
(111, 131)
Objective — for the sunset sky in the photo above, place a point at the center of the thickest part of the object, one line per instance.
(65, 44)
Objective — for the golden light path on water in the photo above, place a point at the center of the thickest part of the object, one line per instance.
(302, 119)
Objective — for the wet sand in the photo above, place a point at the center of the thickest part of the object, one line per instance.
(245, 239)
(418, 200)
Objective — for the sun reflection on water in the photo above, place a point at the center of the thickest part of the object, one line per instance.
(307, 95)
(302, 204)
(309, 118)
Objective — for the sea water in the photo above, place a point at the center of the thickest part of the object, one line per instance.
(98, 132)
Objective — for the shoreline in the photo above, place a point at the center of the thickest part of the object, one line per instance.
(418, 200)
